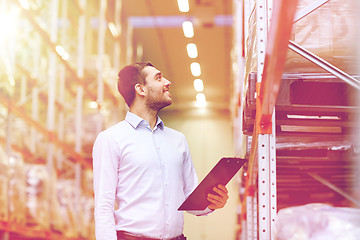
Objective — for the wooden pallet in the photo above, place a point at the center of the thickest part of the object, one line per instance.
(307, 104)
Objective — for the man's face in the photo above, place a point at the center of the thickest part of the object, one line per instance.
(156, 89)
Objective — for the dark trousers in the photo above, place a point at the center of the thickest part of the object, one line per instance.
(122, 235)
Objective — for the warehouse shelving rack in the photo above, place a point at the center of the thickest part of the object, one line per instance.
(269, 41)
(69, 85)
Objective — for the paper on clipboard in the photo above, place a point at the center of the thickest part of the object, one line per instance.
(222, 173)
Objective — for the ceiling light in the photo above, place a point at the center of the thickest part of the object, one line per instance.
(195, 69)
(8, 26)
(61, 51)
(188, 29)
(183, 5)
(93, 105)
(24, 4)
(200, 100)
(192, 50)
(313, 117)
(198, 85)
(65, 56)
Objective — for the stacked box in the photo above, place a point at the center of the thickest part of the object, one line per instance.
(37, 196)
(66, 194)
(17, 189)
(3, 185)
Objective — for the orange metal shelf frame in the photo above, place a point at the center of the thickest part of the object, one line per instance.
(275, 58)
(51, 136)
(26, 232)
(34, 82)
(45, 36)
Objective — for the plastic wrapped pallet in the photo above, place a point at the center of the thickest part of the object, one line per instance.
(327, 32)
(87, 182)
(89, 132)
(66, 190)
(19, 132)
(57, 222)
(17, 186)
(4, 178)
(317, 222)
(37, 196)
(86, 215)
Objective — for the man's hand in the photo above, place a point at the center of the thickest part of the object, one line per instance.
(218, 200)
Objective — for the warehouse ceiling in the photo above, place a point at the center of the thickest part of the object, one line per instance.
(158, 37)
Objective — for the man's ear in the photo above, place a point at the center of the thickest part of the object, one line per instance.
(139, 89)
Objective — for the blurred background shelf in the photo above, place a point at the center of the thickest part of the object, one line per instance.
(58, 89)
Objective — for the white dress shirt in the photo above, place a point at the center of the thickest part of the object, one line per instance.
(148, 173)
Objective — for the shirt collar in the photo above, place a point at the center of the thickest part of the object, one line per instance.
(135, 120)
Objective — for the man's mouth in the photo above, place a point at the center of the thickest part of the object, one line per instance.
(167, 91)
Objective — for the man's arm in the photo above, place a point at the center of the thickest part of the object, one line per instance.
(105, 165)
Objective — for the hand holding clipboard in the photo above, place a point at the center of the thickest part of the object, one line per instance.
(222, 173)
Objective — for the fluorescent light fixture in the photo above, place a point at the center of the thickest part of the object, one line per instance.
(188, 29)
(192, 50)
(168, 21)
(195, 69)
(198, 85)
(8, 26)
(200, 100)
(183, 5)
(312, 117)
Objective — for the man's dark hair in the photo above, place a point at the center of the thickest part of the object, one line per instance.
(129, 76)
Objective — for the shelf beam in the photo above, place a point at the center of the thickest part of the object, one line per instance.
(334, 188)
(324, 65)
(309, 9)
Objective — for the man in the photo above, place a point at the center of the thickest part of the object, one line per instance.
(144, 166)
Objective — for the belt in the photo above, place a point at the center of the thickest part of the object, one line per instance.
(128, 236)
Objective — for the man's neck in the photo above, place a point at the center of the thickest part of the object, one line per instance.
(146, 114)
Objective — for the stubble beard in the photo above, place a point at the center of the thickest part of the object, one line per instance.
(158, 105)
(158, 102)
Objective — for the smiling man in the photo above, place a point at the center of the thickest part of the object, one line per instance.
(143, 166)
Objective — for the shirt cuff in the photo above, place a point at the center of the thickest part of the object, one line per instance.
(204, 212)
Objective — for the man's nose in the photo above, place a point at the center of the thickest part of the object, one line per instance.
(167, 82)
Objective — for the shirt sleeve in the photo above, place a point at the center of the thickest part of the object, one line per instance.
(105, 165)
(191, 181)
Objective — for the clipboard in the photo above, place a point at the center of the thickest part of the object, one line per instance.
(222, 173)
